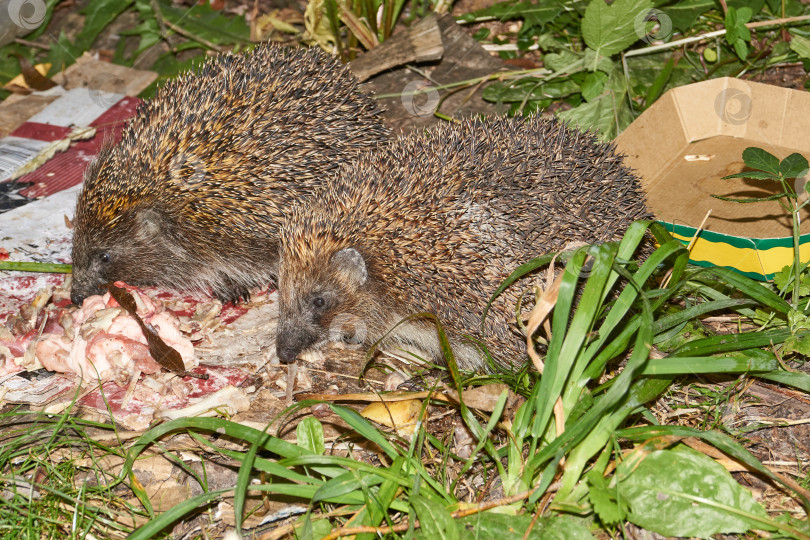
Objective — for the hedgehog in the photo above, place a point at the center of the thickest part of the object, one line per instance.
(194, 193)
(433, 223)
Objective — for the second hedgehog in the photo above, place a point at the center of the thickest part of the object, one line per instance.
(193, 195)
(434, 222)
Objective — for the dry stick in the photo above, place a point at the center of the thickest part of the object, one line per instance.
(420, 43)
(688, 247)
(710, 35)
(163, 22)
(539, 314)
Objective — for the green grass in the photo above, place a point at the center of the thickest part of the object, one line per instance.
(45, 494)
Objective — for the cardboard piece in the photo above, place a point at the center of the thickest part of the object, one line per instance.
(684, 144)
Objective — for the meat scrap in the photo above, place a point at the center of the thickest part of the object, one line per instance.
(99, 341)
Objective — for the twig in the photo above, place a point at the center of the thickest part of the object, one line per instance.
(163, 22)
(33, 44)
(711, 35)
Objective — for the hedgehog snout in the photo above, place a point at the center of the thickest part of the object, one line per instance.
(291, 341)
(83, 287)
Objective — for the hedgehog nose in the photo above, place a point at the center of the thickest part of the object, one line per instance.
(288, 354)
(286, 348)
(77, 297)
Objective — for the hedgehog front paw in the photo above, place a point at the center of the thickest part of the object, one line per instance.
(232, 292)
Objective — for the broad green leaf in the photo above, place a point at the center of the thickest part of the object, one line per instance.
(435, 520)
(207, 23)
(611, 29)
(741, 48)
(508, 527)
(149, 33)
(63, 53)
(784, 278)
(596, 62)
(529, 89)
(681, 492)
(563, 61)
(603, 499)
(799, 340)
(349, 482)
(309, 433)
(792, 8)
(800, 45)
(593, 85)
(684, 14)
(98, 16)
(719, 440)
(793, 166)
(598, 115)
(744, 15)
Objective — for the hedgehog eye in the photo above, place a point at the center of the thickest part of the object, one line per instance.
(104, 257)
(318, 302)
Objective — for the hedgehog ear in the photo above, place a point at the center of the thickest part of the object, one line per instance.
(351, 264)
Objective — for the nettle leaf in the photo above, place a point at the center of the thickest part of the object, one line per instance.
(598, 116)
(783, 278)
(595, 62)
(793, 166)
(563, 60)
(603, 501)
(799, 340)
(611, 29)
(681, 492)
(601, 114)
(759, 159)
(593, 85)
(684, 14)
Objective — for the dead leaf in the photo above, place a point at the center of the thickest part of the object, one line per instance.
(400, 415)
